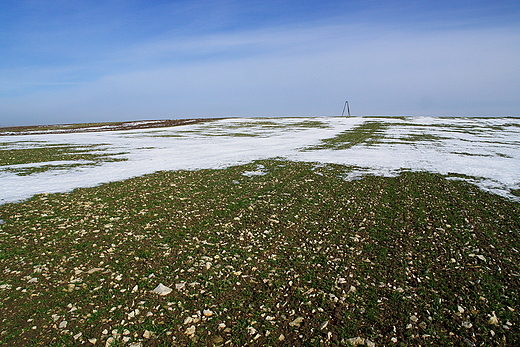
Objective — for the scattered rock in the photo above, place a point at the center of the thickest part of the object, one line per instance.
(63, 324)
(208, 313)
(180, 286)
(133, 313)
(281, 337)
(147, 334)
(92, 340)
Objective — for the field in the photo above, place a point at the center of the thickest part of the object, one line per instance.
(265, 251)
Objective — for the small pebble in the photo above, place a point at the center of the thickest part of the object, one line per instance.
(467, 325)
(218, 339)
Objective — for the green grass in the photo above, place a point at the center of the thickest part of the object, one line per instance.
(422, 137)
(412, 259)
(22, 129)
(35, 152)
(367, 133)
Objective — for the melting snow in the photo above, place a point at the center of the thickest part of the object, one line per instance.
(488, 149)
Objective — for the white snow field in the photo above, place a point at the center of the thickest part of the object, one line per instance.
(485, 149)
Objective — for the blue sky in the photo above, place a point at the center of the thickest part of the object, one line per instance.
(112, 60)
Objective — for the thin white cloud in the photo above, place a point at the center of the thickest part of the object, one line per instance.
(293, 70)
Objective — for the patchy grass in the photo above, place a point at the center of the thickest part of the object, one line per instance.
(34, 152)
(367, 133)
(247, 128)
(296, 256)
(473, 154)
(448, 128)
(94, 127)
(388, 117)
(422, 137)
(61, 127)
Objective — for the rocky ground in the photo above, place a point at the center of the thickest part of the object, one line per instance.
(273, 253)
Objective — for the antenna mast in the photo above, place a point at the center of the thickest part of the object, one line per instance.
(346, 106)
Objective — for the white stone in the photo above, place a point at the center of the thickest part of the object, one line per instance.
(161, 289)
(190, 331)
(493, 319)
(297, 322)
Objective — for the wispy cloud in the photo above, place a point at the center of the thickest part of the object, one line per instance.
(295, 68)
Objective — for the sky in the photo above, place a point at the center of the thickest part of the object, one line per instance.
(120, 60)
